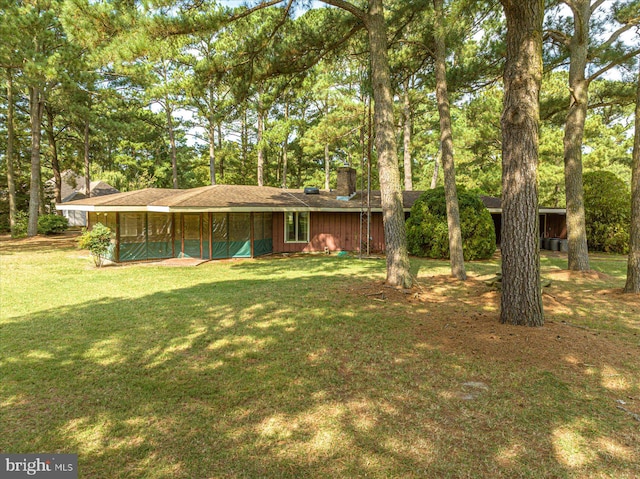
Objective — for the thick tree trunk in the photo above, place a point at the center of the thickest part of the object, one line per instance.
(446, 141)
(87, 165)
(55, 164)
(521, 299)
(212, 152)
(172, 144)
(573, 138)
(395, 237)
(327, 166)
(633, 266)
(11, 180)
(35, 113)
(408, 170)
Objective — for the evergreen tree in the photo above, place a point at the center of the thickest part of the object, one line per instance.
(521, 299)
(633, 266)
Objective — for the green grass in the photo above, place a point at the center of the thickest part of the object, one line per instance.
(291, 367)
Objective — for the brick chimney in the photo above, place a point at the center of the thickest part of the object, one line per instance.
(346, 181)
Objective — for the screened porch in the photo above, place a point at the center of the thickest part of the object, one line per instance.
(140, 236)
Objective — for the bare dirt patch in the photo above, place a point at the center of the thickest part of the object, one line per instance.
(566, 275)
(464, 319)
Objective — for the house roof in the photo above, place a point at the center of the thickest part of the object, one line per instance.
(239, 198)
(73, 187)
(229, 198)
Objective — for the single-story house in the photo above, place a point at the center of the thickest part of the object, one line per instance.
(239, 221)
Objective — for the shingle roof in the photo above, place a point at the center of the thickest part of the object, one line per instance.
(129, 198)
(235, 196)
(241, 197)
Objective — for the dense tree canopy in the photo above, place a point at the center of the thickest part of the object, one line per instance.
(280, 93)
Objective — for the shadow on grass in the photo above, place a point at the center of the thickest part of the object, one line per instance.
(284, 378)
(36, 244)
(308, 264)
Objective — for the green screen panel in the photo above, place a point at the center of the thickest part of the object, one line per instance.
(191, 235)
(206, 229)
(240, 249)
(133, 238)
(219, 236)
(159, 236)
(268, 225)
(258, 226)
(133, 251)
(191, 249)
(264, 246)
(239, 235)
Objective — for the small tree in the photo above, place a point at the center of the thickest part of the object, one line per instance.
(97, 241)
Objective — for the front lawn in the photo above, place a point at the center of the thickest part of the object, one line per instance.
(310, 367)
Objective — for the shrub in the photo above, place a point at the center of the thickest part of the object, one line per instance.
(52, 224)
(607, 204)
(22, 224)
(428, 233)
(97, 241)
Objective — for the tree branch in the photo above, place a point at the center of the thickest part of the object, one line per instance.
(614, 63)
(596, 5)
(558, 37)
(249, 11)
(359, 14)
(614, 36)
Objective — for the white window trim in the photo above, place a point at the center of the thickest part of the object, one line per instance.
(296, 223)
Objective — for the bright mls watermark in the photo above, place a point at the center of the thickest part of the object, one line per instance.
(45, 466)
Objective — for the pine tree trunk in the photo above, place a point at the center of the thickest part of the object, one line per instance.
(327, 167)
(172, 144)
(212, 152)
(633, 266)
(11, 181)
(87, 170)
(260, 150)
(259, 145)
(244, 139)
(408, 170)
(436, 168)
(521, 299)
(395, 237)
(35, 113)
(446, 141)
(219, 126)
(578, 255)
(285, 145)
(55, 164)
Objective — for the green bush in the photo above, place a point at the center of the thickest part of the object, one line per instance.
(22, 224)
(607, 203)
(52, 224)
(427, 230)
(97, 241)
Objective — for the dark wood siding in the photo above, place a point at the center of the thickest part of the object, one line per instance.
(336, 231)
(556, 226)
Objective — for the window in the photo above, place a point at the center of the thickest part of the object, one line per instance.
(296, 227)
